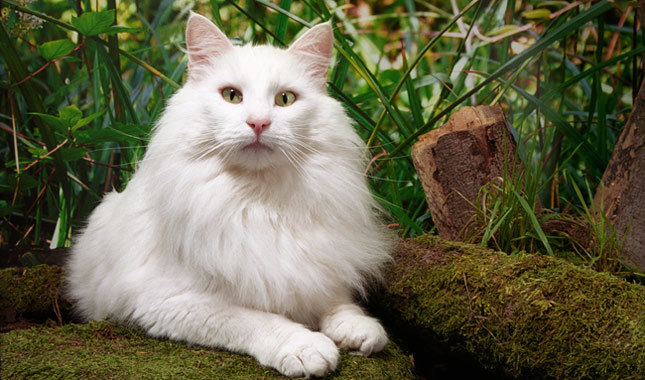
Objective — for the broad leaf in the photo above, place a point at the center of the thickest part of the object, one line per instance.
(67, 117)
(56, 49)
(73, 154)
(70, 115)
(86, 120)
(93, 23)
(6, 208)
(53, 121)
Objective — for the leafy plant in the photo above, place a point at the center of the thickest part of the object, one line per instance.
(564, 73)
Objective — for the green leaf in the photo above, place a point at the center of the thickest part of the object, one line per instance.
(71, 59)
(52, 121)
(6, 208)
(67, 117)
(56, 49)
(125, 133)
(103, 135)
(114, 29)
(70, 115)
(36, 152)
(537, 14)
(93, 23)
(132, 130)
(73, 154)
(86, 120)
(503, 29)
(24, 181)
(559, 4)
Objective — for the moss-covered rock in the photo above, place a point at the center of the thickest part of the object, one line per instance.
(529, 316)
(103, 350)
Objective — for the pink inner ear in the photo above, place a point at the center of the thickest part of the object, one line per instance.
(204, 42)
(315, 48)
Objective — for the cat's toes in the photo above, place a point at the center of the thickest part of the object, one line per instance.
(356, 332)
(308, 354)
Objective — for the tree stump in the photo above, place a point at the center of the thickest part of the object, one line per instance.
(622, 191)
(453, 161)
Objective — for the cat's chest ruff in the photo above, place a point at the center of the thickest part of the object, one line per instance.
(265, 196)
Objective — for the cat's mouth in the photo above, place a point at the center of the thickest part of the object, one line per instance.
(257, 146)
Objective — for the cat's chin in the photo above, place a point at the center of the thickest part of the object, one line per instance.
(257, 156)
(257, 148)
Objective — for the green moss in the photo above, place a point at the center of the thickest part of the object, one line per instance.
(103, 350)
(531, 316)
(32, 290)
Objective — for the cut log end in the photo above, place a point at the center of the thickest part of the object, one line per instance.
(473, 148)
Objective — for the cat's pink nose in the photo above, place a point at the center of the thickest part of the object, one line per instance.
(258, 125)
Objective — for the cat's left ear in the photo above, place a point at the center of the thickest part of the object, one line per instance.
(204, 42)
(314, 48)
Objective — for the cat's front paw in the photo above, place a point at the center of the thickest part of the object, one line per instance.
(355, 332)
(307, 353)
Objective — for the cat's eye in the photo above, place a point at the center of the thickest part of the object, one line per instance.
(232, 95)
(285, 98)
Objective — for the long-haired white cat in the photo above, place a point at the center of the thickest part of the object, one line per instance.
(248, 225)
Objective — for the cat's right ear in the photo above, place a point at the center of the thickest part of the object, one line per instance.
(314, 48)
(204, 42)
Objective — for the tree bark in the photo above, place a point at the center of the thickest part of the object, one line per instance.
(622, 191)
(453, 161)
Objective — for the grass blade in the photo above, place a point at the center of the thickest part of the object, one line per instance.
(534, 222)
(281, 22)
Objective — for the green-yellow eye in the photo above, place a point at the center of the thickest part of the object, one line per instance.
(285, 98)
(232, 95)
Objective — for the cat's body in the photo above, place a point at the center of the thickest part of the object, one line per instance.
(248, 224)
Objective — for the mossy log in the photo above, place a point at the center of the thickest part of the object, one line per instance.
(528, 316)
(104, 350)
(35, 290)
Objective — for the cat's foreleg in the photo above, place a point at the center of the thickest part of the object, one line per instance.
(351, 328)
(272, 339)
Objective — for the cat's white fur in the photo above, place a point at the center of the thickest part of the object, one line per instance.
(224, 244)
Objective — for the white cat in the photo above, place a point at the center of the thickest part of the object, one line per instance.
(248, 225)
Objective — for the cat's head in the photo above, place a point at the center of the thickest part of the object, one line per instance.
(258, 105)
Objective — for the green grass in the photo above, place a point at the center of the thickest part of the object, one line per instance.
(399, 68)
